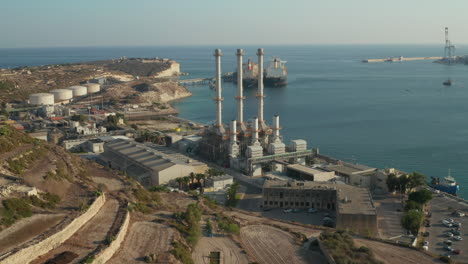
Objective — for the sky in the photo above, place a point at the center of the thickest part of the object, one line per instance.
(60, 23)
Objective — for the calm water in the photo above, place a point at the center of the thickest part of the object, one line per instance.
(379, 114)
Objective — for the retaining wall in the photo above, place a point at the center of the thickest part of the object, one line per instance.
(107, 253)
(325, 252)
(30, 253)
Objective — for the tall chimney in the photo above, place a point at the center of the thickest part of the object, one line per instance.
(218, 98)
(233, 131)
(260, 95)
(276, 127)
(240, 90)
(255, 132)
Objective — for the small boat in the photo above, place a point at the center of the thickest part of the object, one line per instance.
(448, 82)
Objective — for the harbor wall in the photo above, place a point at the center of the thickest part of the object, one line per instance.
(28, 254)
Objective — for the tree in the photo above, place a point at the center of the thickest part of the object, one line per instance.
(80, 118)
(392, 182)
(412, 220)
(192, 177)
(179, 181)
(416, 179)
(231, 194)
(412, 205)
(403, 183)
(421, 197)
(186, 180)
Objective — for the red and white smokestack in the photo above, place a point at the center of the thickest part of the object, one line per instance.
(233, 131)
(218, 98)
(240, 89)
(260, 95)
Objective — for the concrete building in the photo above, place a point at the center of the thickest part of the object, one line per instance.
(302, 172)
(148, 163)
(218, 183)
(353, 206)
(354, 174)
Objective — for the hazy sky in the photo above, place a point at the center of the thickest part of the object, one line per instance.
(45, 23)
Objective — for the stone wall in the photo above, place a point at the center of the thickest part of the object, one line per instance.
(325, 252)
(28, 254)
(103, 256)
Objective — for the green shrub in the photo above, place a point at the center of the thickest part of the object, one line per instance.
(227, 225)
(160, 188)
(182, 253)
(14, 209)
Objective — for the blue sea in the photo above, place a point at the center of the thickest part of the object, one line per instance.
(381, 114)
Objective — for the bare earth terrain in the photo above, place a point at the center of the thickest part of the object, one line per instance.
(142, 239)
(394, 254)
(230, 252)
(27, 229)
(270, 245)
(89, 236)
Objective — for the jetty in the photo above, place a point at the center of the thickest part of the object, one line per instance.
(401, 58)
(199, 81)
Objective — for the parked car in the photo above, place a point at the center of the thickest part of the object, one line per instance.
(448, 242)
(456, 251)
(312, 210)
(426, 243)
(426, 234)
(456, 224)
(449, 234)
(448, 224)
(287, 210)
(456, 232)
(296, 210)
(458, 238)
(447, 247)
(425, 248)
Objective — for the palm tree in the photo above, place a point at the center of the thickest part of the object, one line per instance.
(186, 181)
(179, 181)
(192, 176)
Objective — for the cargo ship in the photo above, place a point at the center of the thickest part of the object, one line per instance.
(276, 74)
(249, 74)
(449, 185)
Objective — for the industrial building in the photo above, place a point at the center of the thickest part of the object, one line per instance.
(248, 146)
(148, 163)
(353, 205)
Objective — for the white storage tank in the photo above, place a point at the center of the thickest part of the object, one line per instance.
(78, 90)
(93, 87)
(41, 99)
(61, 95)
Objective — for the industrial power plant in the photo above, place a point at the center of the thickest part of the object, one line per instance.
(248, 146)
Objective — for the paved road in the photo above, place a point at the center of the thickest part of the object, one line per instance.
(389, 213)
(439, 208)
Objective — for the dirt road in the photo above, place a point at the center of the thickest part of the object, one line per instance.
(230, 252)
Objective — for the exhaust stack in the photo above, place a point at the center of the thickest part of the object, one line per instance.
(218, 98)
(255, 141)
(240, 89)
(260, 94)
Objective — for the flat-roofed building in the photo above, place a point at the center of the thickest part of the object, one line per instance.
(353, 205)
(148, 163)
(354, 174)
(310, 174)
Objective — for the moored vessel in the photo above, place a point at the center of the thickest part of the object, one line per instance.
(276, 73)
(449, 185)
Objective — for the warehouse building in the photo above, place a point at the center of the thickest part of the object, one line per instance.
(148, 163)
(353, 206)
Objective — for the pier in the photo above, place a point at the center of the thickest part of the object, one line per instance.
(401, 58)
(199, 81)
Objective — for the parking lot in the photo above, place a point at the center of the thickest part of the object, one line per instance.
(440, 211)
(389, 213)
